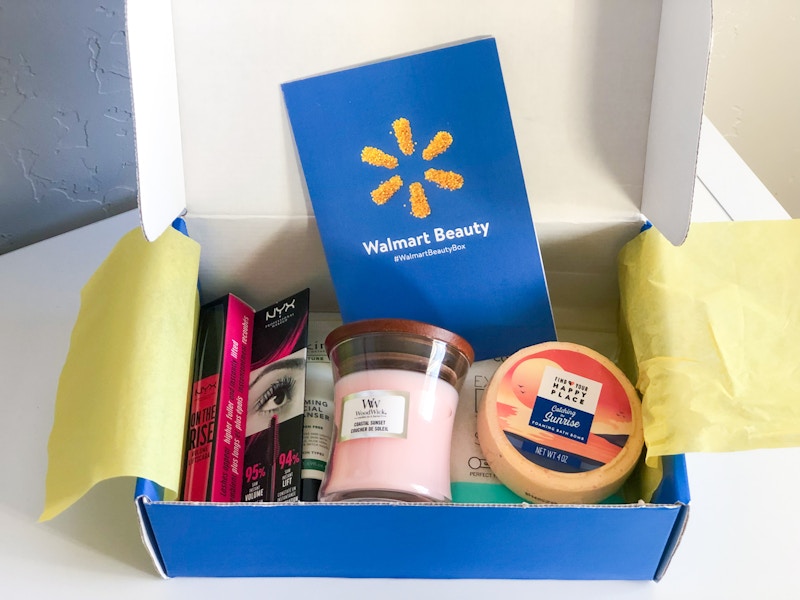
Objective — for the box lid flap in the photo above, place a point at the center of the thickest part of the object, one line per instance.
(159, 156)
(588, 89)
(684, 47)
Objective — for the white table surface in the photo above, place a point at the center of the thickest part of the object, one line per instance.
(742, 540)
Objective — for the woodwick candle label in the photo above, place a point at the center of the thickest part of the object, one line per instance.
(374, 414)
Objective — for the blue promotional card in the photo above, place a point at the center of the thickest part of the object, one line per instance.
(413, 172)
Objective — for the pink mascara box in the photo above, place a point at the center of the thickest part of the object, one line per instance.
(215, 433)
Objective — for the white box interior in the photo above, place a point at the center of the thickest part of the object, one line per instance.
(605, 95)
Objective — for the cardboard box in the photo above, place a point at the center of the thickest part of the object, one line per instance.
(606, 99)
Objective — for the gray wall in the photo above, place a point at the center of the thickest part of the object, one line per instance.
(66, 131)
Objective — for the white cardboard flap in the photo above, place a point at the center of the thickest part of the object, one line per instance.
(579, 78)
(154, 91)
(590, 86)
(684, 46)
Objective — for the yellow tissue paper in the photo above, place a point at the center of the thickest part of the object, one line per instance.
(122, 396)
(713, 336)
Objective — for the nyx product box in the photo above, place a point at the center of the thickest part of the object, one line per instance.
(216, 430)
(412, 168)
(275, 404)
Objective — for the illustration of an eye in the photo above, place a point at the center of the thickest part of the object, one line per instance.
(276, 395)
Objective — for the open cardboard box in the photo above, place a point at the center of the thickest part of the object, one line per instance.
(606, 99)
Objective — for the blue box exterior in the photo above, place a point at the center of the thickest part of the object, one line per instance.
(624, 542)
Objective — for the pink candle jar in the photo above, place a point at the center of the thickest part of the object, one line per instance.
(395, 396)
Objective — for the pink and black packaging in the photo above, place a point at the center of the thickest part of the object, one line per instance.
(275, 406)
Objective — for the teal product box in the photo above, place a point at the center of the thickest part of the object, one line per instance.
(606, 106)
(471, 479)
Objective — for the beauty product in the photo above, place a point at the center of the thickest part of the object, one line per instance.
(318, 418)
(471, 478)
(216, 429)
(276, 401)
(396, 392)
(560, 423)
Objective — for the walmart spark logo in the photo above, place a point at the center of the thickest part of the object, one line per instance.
(447, 180)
